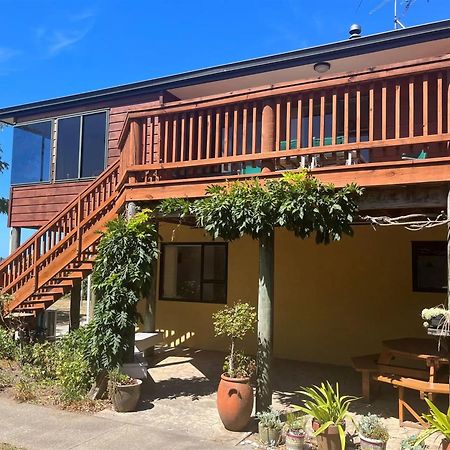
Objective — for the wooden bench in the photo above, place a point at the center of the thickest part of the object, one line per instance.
(402, 383)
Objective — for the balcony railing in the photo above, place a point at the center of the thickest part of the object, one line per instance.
(387, 114)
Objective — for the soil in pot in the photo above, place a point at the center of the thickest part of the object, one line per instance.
(329, 439)
(294, 441)
(126, 396)
(371, 444)
(269, 436)
(234, 402)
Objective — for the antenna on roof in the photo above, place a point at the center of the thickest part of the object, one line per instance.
(406, 4)
(397, 22)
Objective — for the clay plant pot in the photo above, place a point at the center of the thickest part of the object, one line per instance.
(445, 444)
(269, 436)
(234, 402)
(329, 439)
(371, 444)
(294, 441)
(126, 396)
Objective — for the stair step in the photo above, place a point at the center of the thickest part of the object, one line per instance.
(42, 298)
(51, 290)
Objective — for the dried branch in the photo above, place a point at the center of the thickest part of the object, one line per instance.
(412, 222)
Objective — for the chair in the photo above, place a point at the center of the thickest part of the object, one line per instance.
(421, 155)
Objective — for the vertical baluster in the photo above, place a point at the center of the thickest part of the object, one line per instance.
(358, 113)
(397, 109)
(208, 134)
(174, 138)
(411, 106)
(288, 124)
(277, 124)
(191, 135)
(310, 120)
(383, 110)
(244, 129)
(166, 137)
(254, 125)
(235, 129)
(346, 115)
(425, 104)
(299, 122)
(371, 111)
(200, 135)
(439, 103)
(448, 101)
(322, 120)
(217, 146)
(183, 136)
(226, 132)
(150, 131)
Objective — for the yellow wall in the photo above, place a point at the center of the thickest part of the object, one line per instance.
(331, 302)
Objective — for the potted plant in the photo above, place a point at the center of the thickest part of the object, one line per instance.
(328, 410)
(410, 443)
(436, 320)
(295, 431)
(438, 422)
(373, 434)
(235, 394)
(269, 427)
(124, 391)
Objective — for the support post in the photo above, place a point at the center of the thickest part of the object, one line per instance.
(14, 240)
(265, 323)
(448, 279)
(268, 134)
(75, 300)
(149, 317)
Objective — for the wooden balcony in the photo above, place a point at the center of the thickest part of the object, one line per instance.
(386, 125)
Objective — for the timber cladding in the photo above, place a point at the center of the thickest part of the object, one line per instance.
(33, 206)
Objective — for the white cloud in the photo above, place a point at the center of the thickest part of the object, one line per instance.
(60, 40)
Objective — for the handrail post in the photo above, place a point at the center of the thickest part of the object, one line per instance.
(268, 133)
(79, 232)
(35, 259)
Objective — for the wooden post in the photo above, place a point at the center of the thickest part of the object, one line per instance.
(14, 241)
(75, 299)
(448, 278)
(268, 134)
(265, 323)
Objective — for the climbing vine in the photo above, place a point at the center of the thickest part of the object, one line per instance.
(122, 274)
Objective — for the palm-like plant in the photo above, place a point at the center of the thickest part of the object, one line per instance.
(438, 422)
(327, 407)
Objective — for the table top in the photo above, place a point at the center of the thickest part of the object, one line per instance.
(415, 348)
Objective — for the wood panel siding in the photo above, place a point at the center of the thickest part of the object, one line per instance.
(33, 206)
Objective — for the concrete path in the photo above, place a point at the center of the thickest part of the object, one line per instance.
(37, 427)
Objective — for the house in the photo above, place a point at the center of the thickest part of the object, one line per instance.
(374, 110)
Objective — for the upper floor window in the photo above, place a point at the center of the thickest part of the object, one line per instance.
(81, 146)
(31, 155)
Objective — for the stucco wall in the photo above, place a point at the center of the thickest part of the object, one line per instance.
(331, 302)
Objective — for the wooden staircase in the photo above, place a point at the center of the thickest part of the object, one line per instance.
(45, 267)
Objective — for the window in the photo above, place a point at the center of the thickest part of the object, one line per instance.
(80, 147)
(194, 272)
(31, 155)
(429, 260)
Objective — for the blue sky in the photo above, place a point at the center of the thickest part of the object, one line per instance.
(51, 48)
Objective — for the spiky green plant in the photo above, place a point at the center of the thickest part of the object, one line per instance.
(438, 422)
(327, 407)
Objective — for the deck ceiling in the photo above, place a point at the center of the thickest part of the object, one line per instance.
(343, 65)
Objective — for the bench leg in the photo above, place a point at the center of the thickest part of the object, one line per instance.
(402, 404)
(366, 385)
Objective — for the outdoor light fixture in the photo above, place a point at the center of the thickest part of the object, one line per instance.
(322, 67)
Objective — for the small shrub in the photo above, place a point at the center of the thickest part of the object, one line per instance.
(371, 426)
(6, 380)
(24, 390)
(409, 443)
(7, 344)
(270, 419)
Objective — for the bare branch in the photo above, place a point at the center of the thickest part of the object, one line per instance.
(412, 222)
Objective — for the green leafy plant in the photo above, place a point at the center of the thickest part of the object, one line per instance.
(7, 344)
(327, 407)
(410, 443)
(295, 423)
(24, 390)
(117, 378)
(122, 274)
(270, 419)
(372, 427)
(235, 322)
(438, 422)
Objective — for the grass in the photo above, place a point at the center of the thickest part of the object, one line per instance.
(4, 446)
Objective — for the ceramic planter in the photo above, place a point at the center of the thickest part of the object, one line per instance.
(126, 396)
(329, 439)
(234, 402)
(371, 444)
(269, 436)
(294, 441)
(445, 444)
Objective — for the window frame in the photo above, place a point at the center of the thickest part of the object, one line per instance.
(52, 132)
(415, 252)
(203, 281)
(80, 144)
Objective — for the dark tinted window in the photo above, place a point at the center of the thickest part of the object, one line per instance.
(93, 145)
(31, 153)
(68, 148)
(429, 260)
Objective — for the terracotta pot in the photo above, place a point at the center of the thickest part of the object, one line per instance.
(269, 436)
(294, 441)
(126, 396)
(234, 402)
(445, 444)
(329, 439)
(371, 444)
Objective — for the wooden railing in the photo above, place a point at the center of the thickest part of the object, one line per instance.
(374, 116)
(65, 229)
